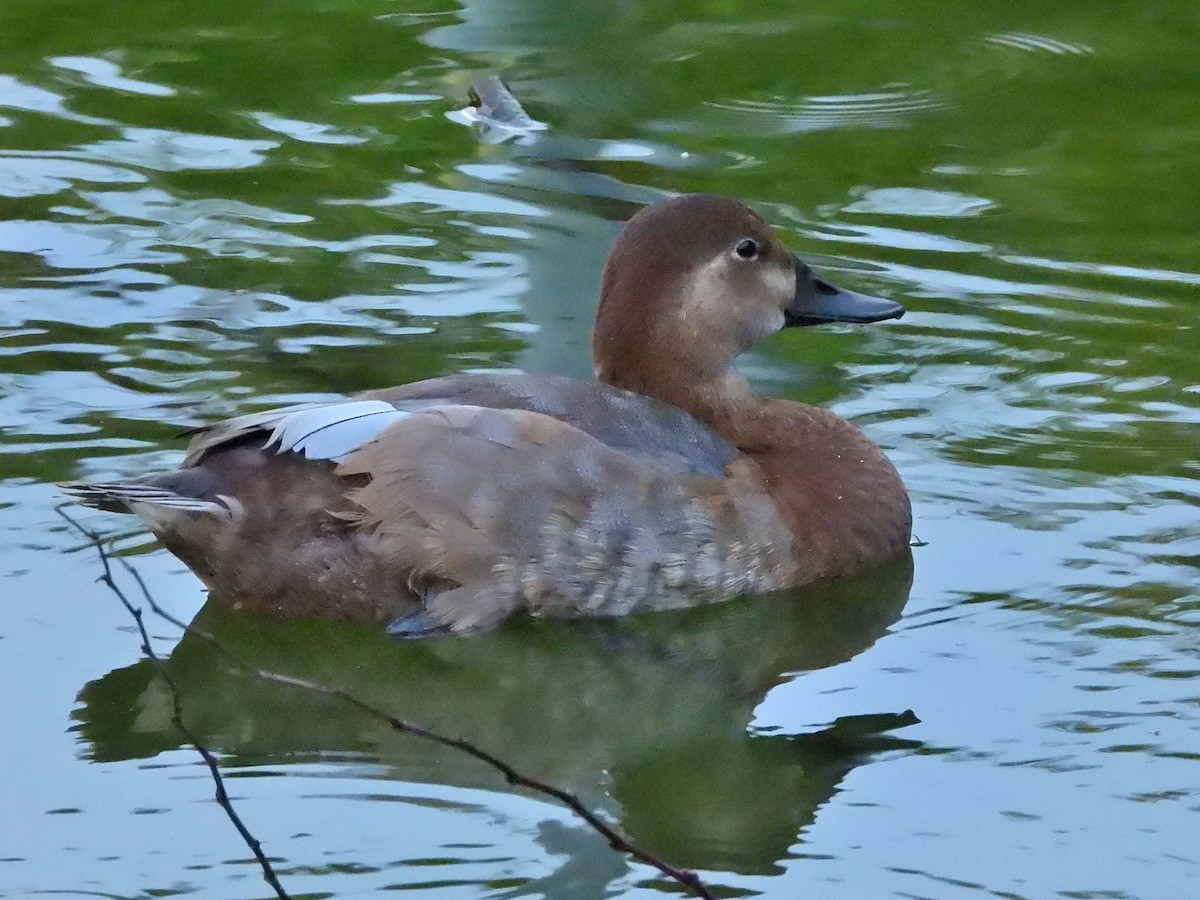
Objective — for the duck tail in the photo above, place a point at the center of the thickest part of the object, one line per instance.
(134, 497)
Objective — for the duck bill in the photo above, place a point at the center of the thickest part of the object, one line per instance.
(818, 302)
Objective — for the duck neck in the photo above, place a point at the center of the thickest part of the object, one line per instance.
(722, 399)
(762, 427)
(726, 404)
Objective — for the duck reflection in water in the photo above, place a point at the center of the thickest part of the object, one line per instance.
(646, 717)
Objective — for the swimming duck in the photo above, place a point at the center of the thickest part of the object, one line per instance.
(449, 504)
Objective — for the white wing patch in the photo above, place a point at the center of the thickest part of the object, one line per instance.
(331, 431)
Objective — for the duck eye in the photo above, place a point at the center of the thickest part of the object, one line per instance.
(747, 248)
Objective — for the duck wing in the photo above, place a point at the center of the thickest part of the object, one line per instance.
(640, 427)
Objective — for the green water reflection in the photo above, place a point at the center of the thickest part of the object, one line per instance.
(647, 718)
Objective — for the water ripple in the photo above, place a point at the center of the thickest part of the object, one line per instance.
(176, 151)
(891, 106)
(106, 74)
(15, 94)
(1038, 43)
(44, 174)
(306, 132)
(907, 201)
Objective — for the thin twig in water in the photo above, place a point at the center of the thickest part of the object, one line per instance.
(511, 775)
(568, 799)
(222, 796)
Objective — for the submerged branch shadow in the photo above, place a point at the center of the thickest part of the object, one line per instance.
(514, 777)
(176, 718)
(642, 721)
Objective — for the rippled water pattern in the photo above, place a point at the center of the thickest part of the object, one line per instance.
(207, 211)
(890, 107)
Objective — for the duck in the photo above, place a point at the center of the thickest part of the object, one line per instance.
(448, 505)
